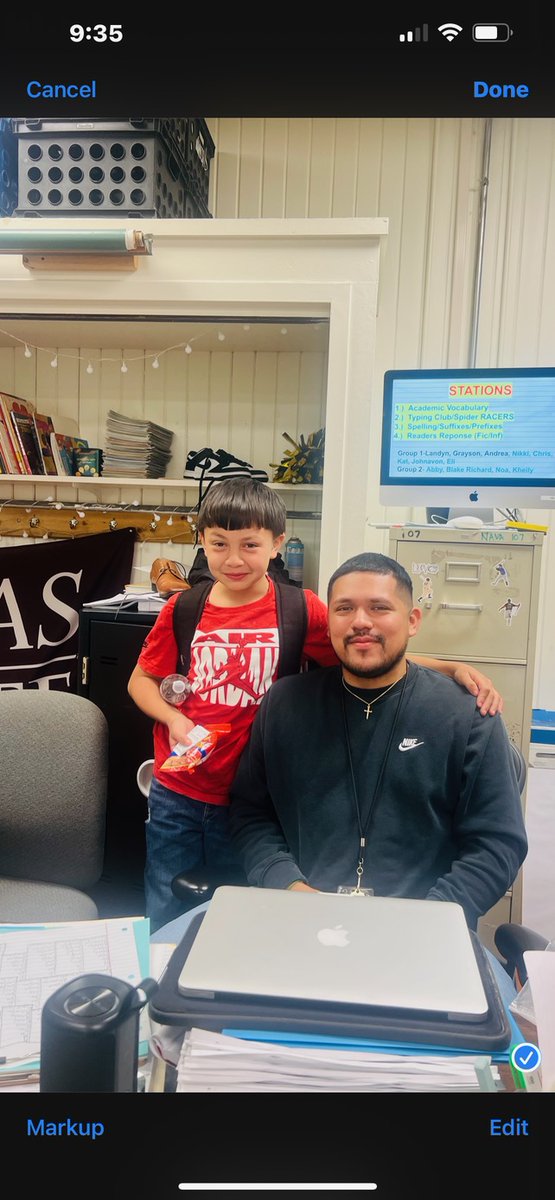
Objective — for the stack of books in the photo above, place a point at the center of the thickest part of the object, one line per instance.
(31, 445)
(24, 438)
(136, 448)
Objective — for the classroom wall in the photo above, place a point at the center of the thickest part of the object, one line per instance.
(424, 175)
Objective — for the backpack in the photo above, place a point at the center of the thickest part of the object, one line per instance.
(292, 619)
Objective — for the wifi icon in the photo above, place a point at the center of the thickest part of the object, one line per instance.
(449, 30)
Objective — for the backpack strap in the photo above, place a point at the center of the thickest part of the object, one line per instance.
(187, 612)
(292, 617)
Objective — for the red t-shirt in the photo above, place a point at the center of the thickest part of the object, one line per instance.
(234, 657)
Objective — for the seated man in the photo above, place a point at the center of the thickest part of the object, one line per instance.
(378, 774)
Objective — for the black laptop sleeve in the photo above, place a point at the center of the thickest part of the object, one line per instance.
(225, 1011)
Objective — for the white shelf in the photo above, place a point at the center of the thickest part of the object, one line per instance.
(97, 481)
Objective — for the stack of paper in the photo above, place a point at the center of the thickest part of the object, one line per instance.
(136, 448)
(36, 960)
(216, 1062)
(143, 601)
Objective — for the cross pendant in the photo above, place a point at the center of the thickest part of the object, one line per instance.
(368, 712)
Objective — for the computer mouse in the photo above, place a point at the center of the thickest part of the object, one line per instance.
(465, 522)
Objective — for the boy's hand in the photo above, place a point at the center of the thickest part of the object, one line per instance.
(179, 728)
(488, 699)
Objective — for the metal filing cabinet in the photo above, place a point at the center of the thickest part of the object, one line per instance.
(478, 590)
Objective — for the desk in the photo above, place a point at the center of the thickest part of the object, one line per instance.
(164, 1080)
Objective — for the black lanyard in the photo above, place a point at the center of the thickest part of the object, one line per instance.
(362, 830)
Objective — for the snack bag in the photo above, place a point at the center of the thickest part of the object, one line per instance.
(187, 756)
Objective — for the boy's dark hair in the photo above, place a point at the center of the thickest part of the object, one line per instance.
(375, 564)
(242, 503)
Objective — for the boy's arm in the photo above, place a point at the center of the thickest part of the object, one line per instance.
(144, 689)
(488, 699)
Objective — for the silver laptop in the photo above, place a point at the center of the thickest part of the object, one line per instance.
(329, 947)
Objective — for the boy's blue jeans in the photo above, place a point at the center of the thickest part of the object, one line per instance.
(181, 834)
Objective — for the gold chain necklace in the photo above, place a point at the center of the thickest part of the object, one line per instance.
(369, 703)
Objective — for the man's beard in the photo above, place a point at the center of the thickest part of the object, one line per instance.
(384, 668)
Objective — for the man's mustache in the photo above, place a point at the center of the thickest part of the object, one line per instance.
(371, 637)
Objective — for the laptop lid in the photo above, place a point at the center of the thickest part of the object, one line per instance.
(328, 947)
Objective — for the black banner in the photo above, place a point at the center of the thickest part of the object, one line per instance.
(42, 590)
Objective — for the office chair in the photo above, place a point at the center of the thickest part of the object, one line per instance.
(510, 938)
(53, 785)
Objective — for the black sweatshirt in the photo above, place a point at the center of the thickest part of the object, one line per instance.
(443, 822)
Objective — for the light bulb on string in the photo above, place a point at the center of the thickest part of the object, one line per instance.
(221, 336)
(188, 349)
(27, 352)
(89, 368)
(124, 368)
(54, 361)
(283, 330)
(246, 328)
(155, 364)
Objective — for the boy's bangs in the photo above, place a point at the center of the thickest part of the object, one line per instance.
(242, 504)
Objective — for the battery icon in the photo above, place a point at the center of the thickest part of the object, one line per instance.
(492, 33)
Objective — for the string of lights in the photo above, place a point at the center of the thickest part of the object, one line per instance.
(144, 356)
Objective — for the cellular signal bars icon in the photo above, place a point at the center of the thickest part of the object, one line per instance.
(415, 35)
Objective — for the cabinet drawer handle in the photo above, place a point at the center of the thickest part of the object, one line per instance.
(466, 607)
(452, 565)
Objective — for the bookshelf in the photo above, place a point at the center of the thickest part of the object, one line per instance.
(252, 281)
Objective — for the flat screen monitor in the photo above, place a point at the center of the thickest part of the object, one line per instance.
(470, 439)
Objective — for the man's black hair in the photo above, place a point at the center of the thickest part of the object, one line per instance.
(375, 564)
(242, 503)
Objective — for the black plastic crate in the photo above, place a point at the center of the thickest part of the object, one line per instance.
(106, 168)
(8, 168)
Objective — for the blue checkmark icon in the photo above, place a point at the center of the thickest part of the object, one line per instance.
(526, 1056)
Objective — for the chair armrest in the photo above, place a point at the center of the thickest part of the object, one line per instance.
(512, 940)
(194, 887)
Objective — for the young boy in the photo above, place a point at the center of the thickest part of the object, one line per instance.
(234, 658)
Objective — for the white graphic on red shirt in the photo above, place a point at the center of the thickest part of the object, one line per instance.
(234, 667)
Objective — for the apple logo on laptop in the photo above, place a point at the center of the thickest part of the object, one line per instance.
(337, 936)
(473, 496)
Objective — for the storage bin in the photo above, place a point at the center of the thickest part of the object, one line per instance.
(542, 738)
(132, 168)
(8, 168)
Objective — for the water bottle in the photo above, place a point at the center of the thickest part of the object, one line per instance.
(175, 689)
(294, 558)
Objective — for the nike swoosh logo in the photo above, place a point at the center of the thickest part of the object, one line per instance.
(411, 746)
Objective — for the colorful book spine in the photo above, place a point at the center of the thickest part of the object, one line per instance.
(44, 428)
(23, 424)
(8, 438)
(12, 465)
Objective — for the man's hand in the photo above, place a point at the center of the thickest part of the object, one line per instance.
(488, 699)
(299, 886)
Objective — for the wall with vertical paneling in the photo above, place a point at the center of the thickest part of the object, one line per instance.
(425, 176)
(240, 401)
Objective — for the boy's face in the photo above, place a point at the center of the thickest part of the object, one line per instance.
(239, 558)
